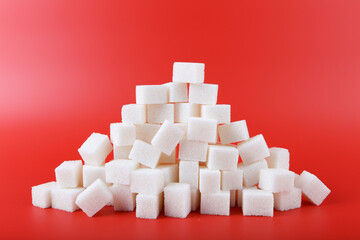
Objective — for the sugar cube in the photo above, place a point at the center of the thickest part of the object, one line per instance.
(284, 201)
(209, 180)
(177, 92)
(187, 72)
(233, 198)
(195, 198)
(184, 111)
(177, 200)
(217, 203)
(220, 112)
(239, 195)
(253, 149)
(193, 150)
(252, 172)
(95, 149)
(171, 172)
(41, 194)
(69, 174)
(257, 203)
(149, 206)
(189, 173)
(133, 113)
(122, 134)
(167, 138)
(203, 93)
(147, 131)
(64, 198)
(276, 180)
(222, 157)
(279, 158)
(147, 181)
(118, 171)
(168, 159)
(184, 127)
(122, 152)
(202, 129)
(232, 180)
(151, 94)
(233, 132)
(92, 173)
(124, 199)
(145, 154)
(158, 113)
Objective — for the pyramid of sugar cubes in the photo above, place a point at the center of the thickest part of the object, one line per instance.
(177, 150)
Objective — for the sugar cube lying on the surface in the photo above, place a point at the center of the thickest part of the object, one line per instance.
(239, 195)
(171, 172)
(177, 92)
(217, 203)
(64, 198)
(167, 138)
(195, 198)
(202, 129)
(177, 200)
(184, 111)
(189, 173)
(124, 199)
(287, 200)
(122, 134)
(279, 158)
(149, 206)
(69, 174)
(312, 188)
(151, 94)
(193, 150)
(147, 181)
(276, 180)
(168, 159)
(133, 113)
(187, 72)
(257, 203)
(253, 149)
(146, 132)
(94, 198)
(252, 172)
(122, 152)
(232, 180)
(209, 180)
(41, 194)
(220, 112)
(158, 113)
(233, 132)
(95, 149)
(233, 194)
(222, 157)
(145, 154)
(203, 93)
(118, 171)
(92, 173)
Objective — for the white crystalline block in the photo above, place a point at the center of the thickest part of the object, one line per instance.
(276, 180)
(217, 203)
(147, 181)
(151, 94)
(279, 158)
(92, 173)
(95, 149)
(177, 200)
(118, 171)
(167, 138)
(171, 172)
(189, 173)
(233, 132)
(122, 134)
(239, 195)
(232, 180)
(122, 152)
(184, 111)
(94, 198)
(195, 198)
(146, 132)
(184, 127)
(158, 113)
(284, 201)
(252, 171)
(202, 129)
(149, 206)
(253, 149)
(145, 154)
(257, 203)
(177, 92)
(233, 198)
(133, 113)
(203, 93)
(220, 112)
(64, 198)
(209, 180)
(124, 199)
(69, 174)
(193, 150)
(312, 188)
(222, 157)
(168, 159)
(41, 194)
(187, 72)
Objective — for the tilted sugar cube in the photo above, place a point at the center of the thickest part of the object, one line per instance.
(222, 157)
(189, 173)
(147, 181)
(41, 194)
(69, 174)
(124, 199)
(146, 132)
(203, 93)
(239, 195)
(193, 150)
(133, 113)
(122, 134)
(151, 94)
(177, 92)
(279, 158)
(217, 203)
(257, 203)
(95, 149)
(121, 152)
(177, 200)
(253, 149)
(187, 72)
(195, 198)
(284, 201)
(276, 180)
(64, 198)
(145, 154)
(184, 111)
(252, 172)
(118, 171)
(92, 173)
(232, 180)
(171, 172)
(233, 132)
(167, 138)
(233, 194)
(209, 180)
(149, 206)
(158, 113)
(202, 129)
(220, 112)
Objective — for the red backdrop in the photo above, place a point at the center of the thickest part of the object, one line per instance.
(290, 68)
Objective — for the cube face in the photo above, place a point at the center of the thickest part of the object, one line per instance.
(146, 132)
(184, 111)
(184, 127)
(158, 113)
(195, 199)
(276, 180)
(189, 173)
(222, 158)
(202, 129)
(284, 201)
(168, 159)
(257, 203)
(177, 200)
(193, 150)
(217, 203)
(151, 94)
(147, 181)
(279, 158)
(253, 149)
(149, 206)
(64, 198)
(209, 180)
(145, 154)
(233, 132)
(219, 112)
(118, 171)
(177, 92)
(203, 93)
(122, 134)
(252, 172)
(186, 72)
(92, 173)
(41, 194)
(69, 174)
(167, 138)
(95, 149)
(133, 114)
(124, 199)
(122, 152)
(171, 172)
(232, 180)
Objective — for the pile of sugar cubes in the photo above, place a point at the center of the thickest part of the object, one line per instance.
(177, 150)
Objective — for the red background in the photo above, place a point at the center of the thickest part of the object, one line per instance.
(291, 68)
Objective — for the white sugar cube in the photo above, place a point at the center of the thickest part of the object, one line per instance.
(149, 206)
(284, 201)
(177, 200)
(189, 173)
(222, 157)
(41, 194)
(167, 138)
(171, 172)
(257, 203)
(187, 72)
(202, 129)
(184, 127)
(69, 174)
(158, 113)
(133, 113)
(233, 132)
(232, 180)
(184, 111)
(209, 180)
(276, 180)
(203, 93)
(92, 173)
(239, 195)
(220, 112)
(279, 158)
(217, 203)
(147, 181)
(253, 149)
(312, 188)
(151, 94)
(145, 154)
(124, 199)
(64, 198)
(118, 171)
(122, 134)
(94, 198)
(177, 92)
(146, 132)
(195, 198)
(233, 198)
(122, 152)
(95, 149)
(193, 150)
(252, 172)
(168, 159)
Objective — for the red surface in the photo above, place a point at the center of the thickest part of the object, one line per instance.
(290, 68)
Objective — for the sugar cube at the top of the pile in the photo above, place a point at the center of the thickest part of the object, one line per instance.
(188, 72)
